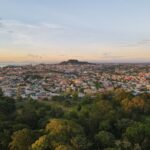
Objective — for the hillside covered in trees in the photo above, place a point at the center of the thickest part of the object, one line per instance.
(110, 121)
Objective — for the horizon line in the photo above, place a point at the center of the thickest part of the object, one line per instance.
(22, 63)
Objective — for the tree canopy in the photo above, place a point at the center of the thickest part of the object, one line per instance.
(115, 120)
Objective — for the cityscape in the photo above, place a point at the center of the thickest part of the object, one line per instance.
(43, 81)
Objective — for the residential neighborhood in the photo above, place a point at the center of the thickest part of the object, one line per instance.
(43, 81)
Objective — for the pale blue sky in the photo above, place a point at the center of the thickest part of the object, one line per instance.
(95, 30)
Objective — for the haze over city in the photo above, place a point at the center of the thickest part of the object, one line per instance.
(53, 31)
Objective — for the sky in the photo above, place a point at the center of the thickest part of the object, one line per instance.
(89, 30)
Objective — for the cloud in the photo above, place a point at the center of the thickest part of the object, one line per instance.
(22, 33)
(110, 55)
(140, 43)
(144, 42)
(33, 56)
(52, 26)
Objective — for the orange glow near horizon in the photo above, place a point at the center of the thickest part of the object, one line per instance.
(98, 54)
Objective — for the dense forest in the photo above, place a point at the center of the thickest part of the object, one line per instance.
(115, 120)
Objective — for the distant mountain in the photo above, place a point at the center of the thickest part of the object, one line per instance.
(74, 62)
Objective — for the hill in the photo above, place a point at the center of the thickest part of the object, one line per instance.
(74, 62)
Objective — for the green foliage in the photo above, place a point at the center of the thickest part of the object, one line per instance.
(138, 133)
(22, 140)
(65, 131)
(104, 139)
(64, 147)
(115, 120)
(42, 143)
(7, 106)
(1, 93)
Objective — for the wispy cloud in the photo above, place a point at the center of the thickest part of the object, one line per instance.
(33, 56)
(139, 43)
(110, 55)
(145, 42)
(29, 34)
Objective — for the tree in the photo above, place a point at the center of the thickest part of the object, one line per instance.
(75, 96)
(120, 94)
(7, 105)
(28, 117)
(80, 142)
(4, 139)
(22, 140)
(64, 147)
(65, 131)
(1, 93)
(136, 104)
(94, 114)
(138, 133)
(104, 139)
(43, 143)
(123, 144)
